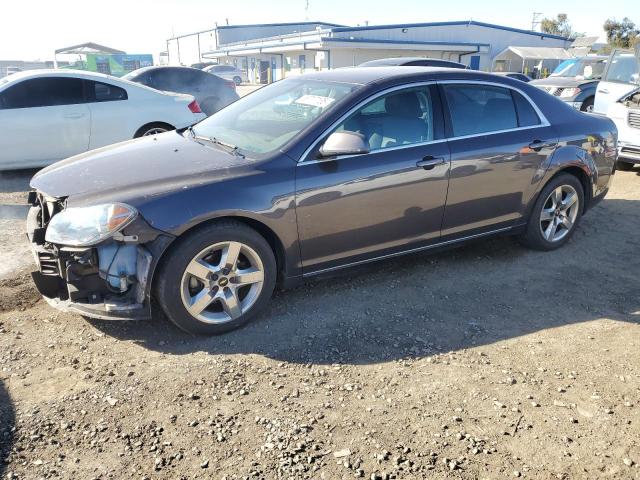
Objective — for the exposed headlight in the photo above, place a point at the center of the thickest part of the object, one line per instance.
(84, 226)
(570, 92)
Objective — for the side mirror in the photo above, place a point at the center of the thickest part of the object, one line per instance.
(344, 143)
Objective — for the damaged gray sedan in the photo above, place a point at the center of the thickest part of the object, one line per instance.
(307, 176)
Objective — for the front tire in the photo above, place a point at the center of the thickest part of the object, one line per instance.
(217, 278)
(556, 214)
(587, 105)
(624, 166)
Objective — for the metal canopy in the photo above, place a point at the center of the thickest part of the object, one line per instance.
(537, 53)
(88, 47)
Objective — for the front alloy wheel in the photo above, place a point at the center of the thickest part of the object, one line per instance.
(216, 278)
(222, 282)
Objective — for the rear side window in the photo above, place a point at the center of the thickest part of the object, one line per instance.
(527, 116)
(43, 92)
(104, 92)
(476, 109)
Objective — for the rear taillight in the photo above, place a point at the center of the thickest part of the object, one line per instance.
(230, 84)
(194, 107)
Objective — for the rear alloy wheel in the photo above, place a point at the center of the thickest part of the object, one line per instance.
(153, 129)
(559, 213)
(556, 214)
(237, 80)
(217, 278)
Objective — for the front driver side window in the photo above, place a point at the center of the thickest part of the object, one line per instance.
(402, 117)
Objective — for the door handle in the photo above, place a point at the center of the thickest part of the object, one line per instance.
(603, 90)
(538, 145)
(429, 162)
(74, 115)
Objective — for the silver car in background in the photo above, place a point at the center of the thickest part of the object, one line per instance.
(228, 72)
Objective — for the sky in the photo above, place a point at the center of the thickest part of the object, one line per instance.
(33, 29)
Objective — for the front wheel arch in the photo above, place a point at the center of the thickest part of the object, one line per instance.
(269, 235)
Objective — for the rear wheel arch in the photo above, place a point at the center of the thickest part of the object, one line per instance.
(151, 125)
(585, 181)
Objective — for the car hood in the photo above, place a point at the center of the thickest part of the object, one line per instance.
(139, 168)
(564, 82)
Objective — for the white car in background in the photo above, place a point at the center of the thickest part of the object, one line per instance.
(621, 76)
(49, 115)
(624, 109)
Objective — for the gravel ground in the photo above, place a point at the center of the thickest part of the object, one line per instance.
(489, 361)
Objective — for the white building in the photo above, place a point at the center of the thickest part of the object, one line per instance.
(298, 48)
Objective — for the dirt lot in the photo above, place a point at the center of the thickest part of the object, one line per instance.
(490, 361)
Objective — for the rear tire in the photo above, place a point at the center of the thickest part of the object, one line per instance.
(624, 166)
(555, 215)
(153, 129)
(217, 278)
(237, 80)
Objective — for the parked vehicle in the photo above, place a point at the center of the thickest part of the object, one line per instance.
(48, 115)
(366, 164)
(518, 76)
(626, 115)
(413, 62)
(212, 93)
(575, 82)
(228, 72)
(621, 76)
(13, 70)
(202, 65)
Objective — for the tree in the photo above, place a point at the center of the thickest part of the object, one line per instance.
(622, 34)
(558, 26)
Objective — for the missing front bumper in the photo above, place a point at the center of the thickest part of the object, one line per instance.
(107, 281)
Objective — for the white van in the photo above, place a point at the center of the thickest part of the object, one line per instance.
(621, 76)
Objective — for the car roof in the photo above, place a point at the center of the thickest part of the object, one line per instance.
(367, 75)
(404, 60)
(49, 72)
(164, 67)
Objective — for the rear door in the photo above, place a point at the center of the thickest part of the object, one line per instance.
(110, 113)
(498, 143)
(620, 77)
(43, 120)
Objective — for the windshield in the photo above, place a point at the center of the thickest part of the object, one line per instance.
(268, 118)
(586, 68)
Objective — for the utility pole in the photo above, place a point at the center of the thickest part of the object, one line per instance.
(534, 21)
(306, 10)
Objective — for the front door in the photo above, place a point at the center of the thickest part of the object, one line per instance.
(358, 207)
(498, 143)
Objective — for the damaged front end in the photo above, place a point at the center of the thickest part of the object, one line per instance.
(108, 279)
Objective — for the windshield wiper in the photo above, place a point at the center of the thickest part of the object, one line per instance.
(232, 149)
